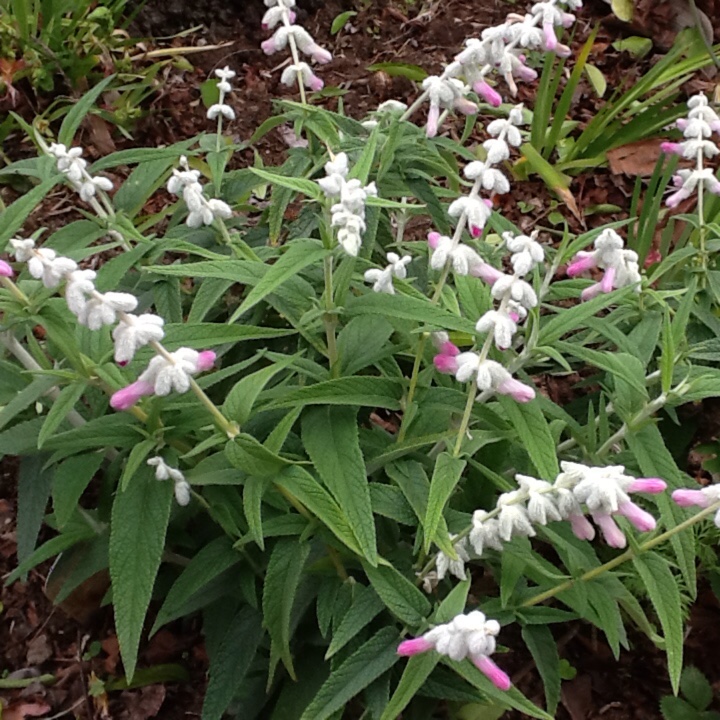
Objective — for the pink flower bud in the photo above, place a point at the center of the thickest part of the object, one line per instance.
(448, 348)
(432, 122)
(434, 239)
(476, 231)
(129, 395)
(497, 677)
(486, 272)
(268, 46)
(446, 364)
(581, 527)
(516, 390)
(582, 262)
(671, 148)
(319, 54)
(408, 648)
(550, 37)
(688, 498)
(613, 535)
(514, 317)
(315, 83)
(591, 292)
(5, 269)
(606, 284)
(465, 106)
(487, 93)
(206, 360)
(653, 486)
(682, 123)
(641, 519)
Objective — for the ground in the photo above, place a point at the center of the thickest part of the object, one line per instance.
(76, 644)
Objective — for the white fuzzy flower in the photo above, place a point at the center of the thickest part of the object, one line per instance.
(80, 284)
(489, 178)
(45, 265)
(526, 251)
(471, 635)
(513, 288)
(103, 308)
(541, 506)
(22, 248)
(220, 109)
(382, 279)
(462, 257)
(500, 324)
(475, 210)
(445, 564)
(171, 375)
(89, 187)
(134, 332)
(164, 472)
(484, 533)
(513, 518)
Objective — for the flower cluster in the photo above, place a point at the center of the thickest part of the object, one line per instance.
(71, 164)
(488, 375)
(603, 492)
(697, 129)
(221, 109)
(185, 182)
(348, 214)
(280, 13)
(620, 265)
(469, 636)
(166, 372)
(383, 279)
(501, 49)
(164, 472)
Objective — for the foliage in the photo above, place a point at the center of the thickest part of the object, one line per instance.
(328, 471)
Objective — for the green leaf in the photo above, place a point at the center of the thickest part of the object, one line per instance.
(72, 476)
(253, 458)
(212, 560)
(229, 665)
(298, 256)
(28, 396)
(12, 218)
(315, 498)
(623, 9)
(400, 596)
(395, 69)
(375, 657)
(364, 391)
(637, 46)
(79, 110)
(135, 460)
(101, 432)
(405, 307)
(363, 341)
(34, 485)
(203, 335)
(330, 436)
(674, 708)
(281, 583)
(240, 400)
(597, 80)
(446, 476)
(574, 318)
(300, 185)
(416, 672)
(253, 491)
(340, 21)
(543, 648)
(665, 596)
(140, 517)
(366, 605)
(59, 410)
(696, 688)
(534, 435)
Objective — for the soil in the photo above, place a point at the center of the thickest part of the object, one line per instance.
(77, 646)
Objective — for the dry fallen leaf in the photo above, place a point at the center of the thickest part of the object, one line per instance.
(145, 703)
(633, 159)
(39, 650)
(25, 710)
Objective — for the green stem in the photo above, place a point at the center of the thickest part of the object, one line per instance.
(236, 244)
(466, 418)
(620, 559)
(17, 293)
(329, 318)
(8, 684)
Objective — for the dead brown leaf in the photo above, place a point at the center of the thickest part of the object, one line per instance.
(39, 650)
(144, 703)
(24, 710)
(577, 697)
(633, 159)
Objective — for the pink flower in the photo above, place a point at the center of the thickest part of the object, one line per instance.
(582, 528)
(206, 360)
(268, 46)
(688, 498)
(445, 361)
(5, 269)
(319, 54)
(499, 678)
(127, 397)
(465, 106)
(434, 239)
(653, 486)
(432, 122)
(550, 37)
(487, 93)
(516, 390)
(613, 535)
(415, 646)
(671, 148)
(581, 263)
(641, 519)
(486, 272)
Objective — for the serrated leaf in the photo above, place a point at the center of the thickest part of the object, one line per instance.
(696, 688)
(674, 708)
(543, 648)
(34, 485)
(204, 335)
(446, 475)
(253, 491)
(279, 591)
(135, 460)
(140, 517)
(665, 597)
(416, 672)
(301, 185)
(534, 435)
(71, 478)
(299, 255)
(330, 436)
(253, 458)
(405, 307)
(315, 498)
(364, 391)
(59, 410)
(400, 596)
(366, 605)
(375, 657)
(231, 662)
(212, 560)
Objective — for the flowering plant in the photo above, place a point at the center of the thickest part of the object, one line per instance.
(355, 422)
